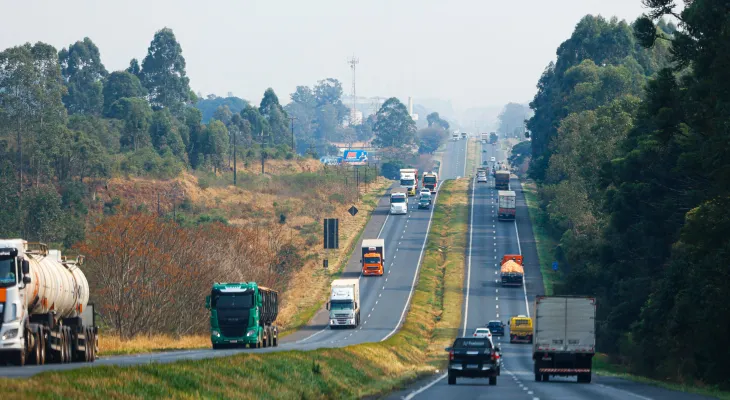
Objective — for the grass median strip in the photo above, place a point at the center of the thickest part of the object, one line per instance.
(350, 372)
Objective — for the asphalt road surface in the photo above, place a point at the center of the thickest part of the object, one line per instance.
(383, 300)
(485, 300)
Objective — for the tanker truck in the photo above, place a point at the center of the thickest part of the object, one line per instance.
(44, 306)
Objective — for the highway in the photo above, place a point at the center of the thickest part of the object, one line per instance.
(383, 299)
(485, 300)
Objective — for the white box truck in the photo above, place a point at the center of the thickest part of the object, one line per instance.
(344, 303)
(564, 337)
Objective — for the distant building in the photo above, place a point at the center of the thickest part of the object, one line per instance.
(410, 109)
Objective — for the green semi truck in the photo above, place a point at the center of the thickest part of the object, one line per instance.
(243, 314)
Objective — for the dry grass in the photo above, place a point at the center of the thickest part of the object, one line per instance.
(308, 287)
(472, 156)
(113, 345)
(350, 372)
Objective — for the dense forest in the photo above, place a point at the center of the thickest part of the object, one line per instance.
(630, 151)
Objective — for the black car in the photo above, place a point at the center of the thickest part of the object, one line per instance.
(496, 327)
(473, 358)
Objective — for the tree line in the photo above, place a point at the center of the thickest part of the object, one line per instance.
(629, 148)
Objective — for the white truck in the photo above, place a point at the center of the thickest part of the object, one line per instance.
(398, 201)
(44, 303)
(564, 337)
(344, 303)
(485, 138)
(409, 180)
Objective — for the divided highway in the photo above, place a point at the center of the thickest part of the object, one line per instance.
(486, 300)
(383, 299)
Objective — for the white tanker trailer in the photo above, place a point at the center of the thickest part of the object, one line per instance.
(43, 305)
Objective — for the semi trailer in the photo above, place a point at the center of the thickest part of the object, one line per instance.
(44, 306)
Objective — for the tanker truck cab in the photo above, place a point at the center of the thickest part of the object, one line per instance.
(44, 306)
(242, 313)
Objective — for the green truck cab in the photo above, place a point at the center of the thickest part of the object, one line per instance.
(243, 314)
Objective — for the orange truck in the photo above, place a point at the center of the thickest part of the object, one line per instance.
(513, 273)
(373, 256)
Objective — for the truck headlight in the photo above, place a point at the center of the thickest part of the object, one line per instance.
(215, 333)
(352, 321)
(333, 322)
(251, 332)
(10, 334)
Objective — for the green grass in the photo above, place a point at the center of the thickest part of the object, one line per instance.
(544, 242)
(351, 372)
(603, 366)
(472, 156)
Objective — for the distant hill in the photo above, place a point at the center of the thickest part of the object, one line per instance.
(209, 105)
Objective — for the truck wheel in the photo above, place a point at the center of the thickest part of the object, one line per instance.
(69, 346)
(42, 344)
(93, 345)
(276, 340)
(20, 358)
(545, 378)
(492, 381)
(538, 377)
(584, 378)
(36, 352)
(452, 379)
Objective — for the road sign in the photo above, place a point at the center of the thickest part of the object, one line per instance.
(555, 265)
(331, 233)
(353, 210)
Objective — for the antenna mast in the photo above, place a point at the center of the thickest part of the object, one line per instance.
(353, 116)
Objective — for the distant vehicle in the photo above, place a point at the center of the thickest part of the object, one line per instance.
(409, 180)
(512, 271)
(501, 180)
(431, 181)
(492, 159)
(507, 205)
(482, 178)
(463, 135)
(471, 357)
(520, 329)
(398, 201)
(455, 137)
(482, 333)
(484, 151)
(424, 202)
(373, 256)
(565, 337)
(485, 137)
(425, 191)
(344, 303)
(243, 314)
(496, 327)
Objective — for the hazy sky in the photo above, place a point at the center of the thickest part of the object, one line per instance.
(472, 52)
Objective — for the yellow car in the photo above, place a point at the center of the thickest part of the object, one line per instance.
(520, 329)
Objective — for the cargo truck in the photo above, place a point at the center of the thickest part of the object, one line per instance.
(565, 337)
(507, 205)
(501, 179)
(485, 137)
(431, 181)
(44, 304)
(520, 329)
(398, 201)
(409, 180)
(512, 271)
(373, 256)
(243, 313)
(344, 303)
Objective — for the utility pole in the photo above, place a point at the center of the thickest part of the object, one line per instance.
(234, 154)
(353, 62)
(293, 145)
(263, 150)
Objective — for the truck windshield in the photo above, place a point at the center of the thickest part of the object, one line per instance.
(519, 322)
(340, 306)
(397, 199)
(233, 300)
(407, 182)
(372, 260)
(429, 179)
(7, 272)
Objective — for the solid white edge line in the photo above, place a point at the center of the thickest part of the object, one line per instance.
(418, 266)
(468, 280)
(423, 389)
(524, 278)
(468, 269)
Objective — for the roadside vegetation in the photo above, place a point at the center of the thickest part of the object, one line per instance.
(350, 372)
(629, 152)
(545, 243)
